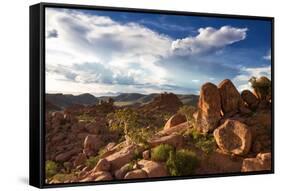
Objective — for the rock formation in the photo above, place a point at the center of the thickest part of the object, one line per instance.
(209, 108)
(233, 137)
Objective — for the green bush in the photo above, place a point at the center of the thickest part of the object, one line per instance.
(161, 152)
(205, 142)
(63, 177)
(182, 162)
(92, 161)
(51, 168)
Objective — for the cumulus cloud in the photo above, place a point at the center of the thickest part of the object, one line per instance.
(242, 80)
(268, 55)
(208, 39)
(98, 54)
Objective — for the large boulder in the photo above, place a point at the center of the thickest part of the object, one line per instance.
(102, 165)
(219, 162)
(175, 120)
(260, 163)
(230, 97)
(209, 108)
(120, 173)
(176, 129)
(174, 139)
(136, 174)
(92, 144)
(233, 137)
(122, 157)
(250, 99)
(152, 168)
(98, 176)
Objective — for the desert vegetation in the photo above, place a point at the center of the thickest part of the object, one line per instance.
(163, 137)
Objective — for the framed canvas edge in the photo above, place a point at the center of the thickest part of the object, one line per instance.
(41, 53)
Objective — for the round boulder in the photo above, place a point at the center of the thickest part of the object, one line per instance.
(175, 120)
(233, 137)
(230, 97)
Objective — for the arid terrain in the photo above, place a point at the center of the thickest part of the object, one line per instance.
(158, 135)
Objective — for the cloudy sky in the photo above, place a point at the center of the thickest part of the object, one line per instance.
(106, 53)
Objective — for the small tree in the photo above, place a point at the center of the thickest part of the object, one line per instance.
(261, 86)
(127, 122)
(182, 162)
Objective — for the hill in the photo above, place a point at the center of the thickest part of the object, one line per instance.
(66, 100)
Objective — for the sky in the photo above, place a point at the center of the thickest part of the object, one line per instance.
(108, 53)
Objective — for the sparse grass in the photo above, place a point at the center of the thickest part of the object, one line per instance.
(92, 161)
(63, 177)
(161, 152)
(188, 112)
(51, 168)
(182, 162)
(204, 142)
(86, 118)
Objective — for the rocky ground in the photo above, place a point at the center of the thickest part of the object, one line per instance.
(227, 132)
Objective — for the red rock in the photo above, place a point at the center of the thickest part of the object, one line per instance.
(260, 163)
(209, 108)
(92, 144)
(122, 157)
(136, 174)
(102, 165)
(175, 140)
(230, 97)
(152, 168)
(233, 137)
(175, 120)
(250, 99)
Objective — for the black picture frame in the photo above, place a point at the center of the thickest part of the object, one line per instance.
(37, 92)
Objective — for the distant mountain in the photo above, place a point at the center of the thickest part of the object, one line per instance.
(189, 99)
(128, 97)
(65, 100)
(124, 99)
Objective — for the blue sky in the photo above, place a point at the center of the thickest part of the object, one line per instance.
(104, 52)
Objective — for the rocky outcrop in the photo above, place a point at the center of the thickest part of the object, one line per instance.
(230, 97)
(175, 140)
(233, 137)
(120, 173)
(99, 176)
(92, 144)
(219, 162)
(175, 120)
(176, 129)
(102, 165)
(209, 108)
(152, 168)
(122, 157)
(260, 163)
(250, 99)
(136, 174)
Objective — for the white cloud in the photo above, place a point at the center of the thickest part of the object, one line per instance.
(242, 80)
(208, 39)
(268, 55)
(99, 54)
(122, 51)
